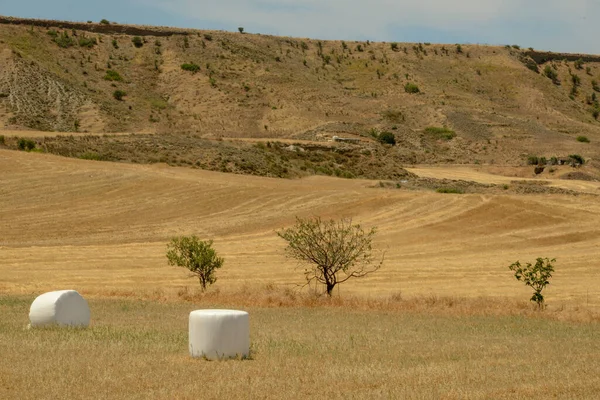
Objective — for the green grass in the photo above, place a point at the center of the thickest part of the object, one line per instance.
(138, 349)
(440, 133)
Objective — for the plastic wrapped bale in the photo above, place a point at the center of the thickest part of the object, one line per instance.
(219, 334)
(62, 308)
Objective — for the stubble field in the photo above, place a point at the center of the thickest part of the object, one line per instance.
(443, 318)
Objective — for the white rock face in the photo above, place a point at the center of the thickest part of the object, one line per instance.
(219, 334)
(63, 308)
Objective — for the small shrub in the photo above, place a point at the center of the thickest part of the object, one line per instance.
(192, 67)
(441, 133)
(516, 47)
(137, 41)
(278, 59)
(596, 113)
(583, 139)
(115, 43)
(387, 138)
(52, 33)
(394, 46)
(104, 21)
(595, 86)
(26, 144)
(196, 255)
(2, 140)
(63, 40)
(535, 276)
(208, 37)
(112, 76)
(577, 158)
(411, 88)
(579, 64)
(576, 80)
(393, 116)
(119, 94)
(551, 73)
(451, 190)
(459, 49)
(87, 42)
(533, 160)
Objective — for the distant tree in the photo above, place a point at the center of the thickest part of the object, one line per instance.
(104, 21)
(334, 251)
(137, 41)
(536, 276)
(241, 29)
(196, 255)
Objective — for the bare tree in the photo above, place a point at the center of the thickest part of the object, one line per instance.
(334, 251)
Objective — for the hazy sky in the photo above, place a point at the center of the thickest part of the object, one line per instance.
(557, 25)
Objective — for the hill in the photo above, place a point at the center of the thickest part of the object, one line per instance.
(486, 104)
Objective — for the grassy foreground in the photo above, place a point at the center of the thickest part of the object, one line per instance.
(138, 349)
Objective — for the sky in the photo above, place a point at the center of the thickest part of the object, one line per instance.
(554, 25)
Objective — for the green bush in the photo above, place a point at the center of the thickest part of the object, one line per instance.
(441, 133)
(551, 73)
(2, 140)
(208, 36)
(115, 43)
(241, 29)
(87, 42)
(411, 88)
(137, 41)
(394, 46)
(579, 64)
(104, 21)
(459, 49)
(197, 256)
(535, 276)
(112, 76)
(596, 113)
(577, 158)
(583, 139)
(387, 138)
(26, 144)
(119, 94)
(63, 40)
(533, 160)
(192, 67)
(52, 33)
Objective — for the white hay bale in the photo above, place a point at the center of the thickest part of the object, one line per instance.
(63, 308)
(219, 334)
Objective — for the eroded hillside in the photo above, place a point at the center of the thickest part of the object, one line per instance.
(250, 85)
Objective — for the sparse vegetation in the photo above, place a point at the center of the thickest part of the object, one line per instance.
(198, 256)
(386, 137)
(551, 74)
(440, 133)
(119, 94)
(411, 88)
(450, 190)
(583, 139)
(333, 251)
(64, 40)
(192, 67)
(25, 144)
(537, 276)
(112, 75)
(88, 42)
(137, 41)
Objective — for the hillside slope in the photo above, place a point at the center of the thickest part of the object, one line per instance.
(251, 85)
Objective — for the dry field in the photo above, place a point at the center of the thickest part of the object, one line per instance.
(444, 318)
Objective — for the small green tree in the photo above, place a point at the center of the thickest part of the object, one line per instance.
(137, 41)
(241, 29)
(196, 255)
(334, 251)
(536, 276)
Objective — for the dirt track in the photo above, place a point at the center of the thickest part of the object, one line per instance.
(102, 228)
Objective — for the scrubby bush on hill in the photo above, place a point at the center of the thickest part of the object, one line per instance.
(192, 67)
(583, 139)
(411, 88)
(387, 138)
(137, 41)
(87, 42)
(440, 133)
(112, 76)
(64, 40)
(25, 144)
(119, 94)
(552, 74)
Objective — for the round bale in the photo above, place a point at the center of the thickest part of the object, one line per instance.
(219, 334)
(62, 308)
